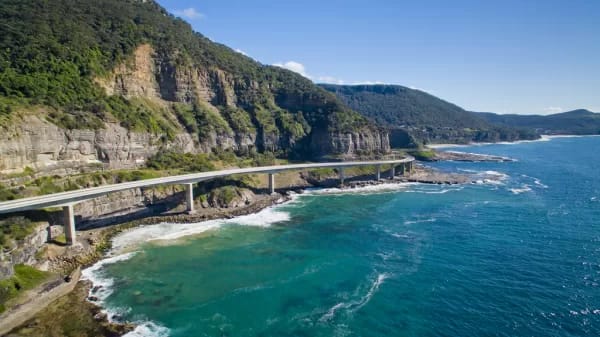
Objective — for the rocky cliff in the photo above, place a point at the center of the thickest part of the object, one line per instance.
(124, 79)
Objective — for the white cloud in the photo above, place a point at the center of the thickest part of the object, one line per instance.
(367, 82)
(294, 66)
(333, 80)
(241, 52)
(330, 79)
(188, 13)
(553, 109)
(421, 89)
(299, 68)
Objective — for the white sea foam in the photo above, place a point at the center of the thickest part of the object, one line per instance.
(148, 329)
(440, 191)
(536, 181)
(164, 231)
(369, 189)
(543, 138)
(103, 284)
(355, 305)
(264, 218)
(411, 222)
(132, 238)
(523, 189)
(499, 175)
(585, 311)
(400, 236)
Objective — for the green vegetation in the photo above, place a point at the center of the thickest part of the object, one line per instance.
(424, 155)
(25, 278)
(161, 164)
(54, 184)
(418, 117)
(184, 161)
(60, 239)
(56, 64)
(322, 173)
(224, 195)
(14, 228)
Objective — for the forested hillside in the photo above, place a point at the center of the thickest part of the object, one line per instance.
(425, 117)
(112, 64)
(576, 122)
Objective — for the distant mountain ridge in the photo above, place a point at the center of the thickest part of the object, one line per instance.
(577, 122)
(418, 117)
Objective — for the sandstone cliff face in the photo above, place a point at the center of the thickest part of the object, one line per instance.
(24, 252)
(165, 80)
(43, 146)
(350, 144)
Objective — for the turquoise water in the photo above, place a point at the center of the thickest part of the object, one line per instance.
(516, 258)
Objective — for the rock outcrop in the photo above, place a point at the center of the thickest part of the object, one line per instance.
(23, 252)
(41, 145)
(164, 80)
(350, 144)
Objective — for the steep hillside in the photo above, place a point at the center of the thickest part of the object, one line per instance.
(424, 117)
(576, 122)
(114, 81)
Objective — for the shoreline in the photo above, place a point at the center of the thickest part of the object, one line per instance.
(102, 238)
(543, 138)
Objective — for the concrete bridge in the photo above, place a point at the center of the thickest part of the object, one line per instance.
(66, 200)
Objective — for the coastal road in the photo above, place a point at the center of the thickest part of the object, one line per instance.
(72, 197)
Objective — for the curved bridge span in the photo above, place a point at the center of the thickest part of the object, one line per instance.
(70, 198)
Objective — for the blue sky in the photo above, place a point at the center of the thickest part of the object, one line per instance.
(509, 56)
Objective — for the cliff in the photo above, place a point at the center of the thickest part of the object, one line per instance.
(123, 79)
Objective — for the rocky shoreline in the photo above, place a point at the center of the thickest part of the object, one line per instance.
(469, 157)
(95, 242)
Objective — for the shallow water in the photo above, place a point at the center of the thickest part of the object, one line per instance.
(515, 258)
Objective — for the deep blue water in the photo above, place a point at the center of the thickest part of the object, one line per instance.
(516, 258)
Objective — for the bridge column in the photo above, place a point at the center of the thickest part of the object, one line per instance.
(341, 171)
(189, 198)
(393, 172)
(402, 169)
(271, 183)
(410, 167)
(69, 224)
(378, 174)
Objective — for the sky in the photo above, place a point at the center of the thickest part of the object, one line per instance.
(509, 56)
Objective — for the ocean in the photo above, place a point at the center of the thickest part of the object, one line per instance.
(514, 257)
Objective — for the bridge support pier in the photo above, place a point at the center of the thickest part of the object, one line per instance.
(271, 183)
(189, 198)
(341, 172)
(410, 166)
(392, 172)
(378, 174)
(69, 224)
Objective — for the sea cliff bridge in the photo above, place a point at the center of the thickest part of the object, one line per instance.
(66, 200)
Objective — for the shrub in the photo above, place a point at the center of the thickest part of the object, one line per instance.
(187, 162)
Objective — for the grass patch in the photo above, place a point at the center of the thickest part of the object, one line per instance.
(60, 239)
(423, 155)
(25, 278)
(224, 195)
(15, 228)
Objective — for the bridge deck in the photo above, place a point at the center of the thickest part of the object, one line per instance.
(71, 197)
